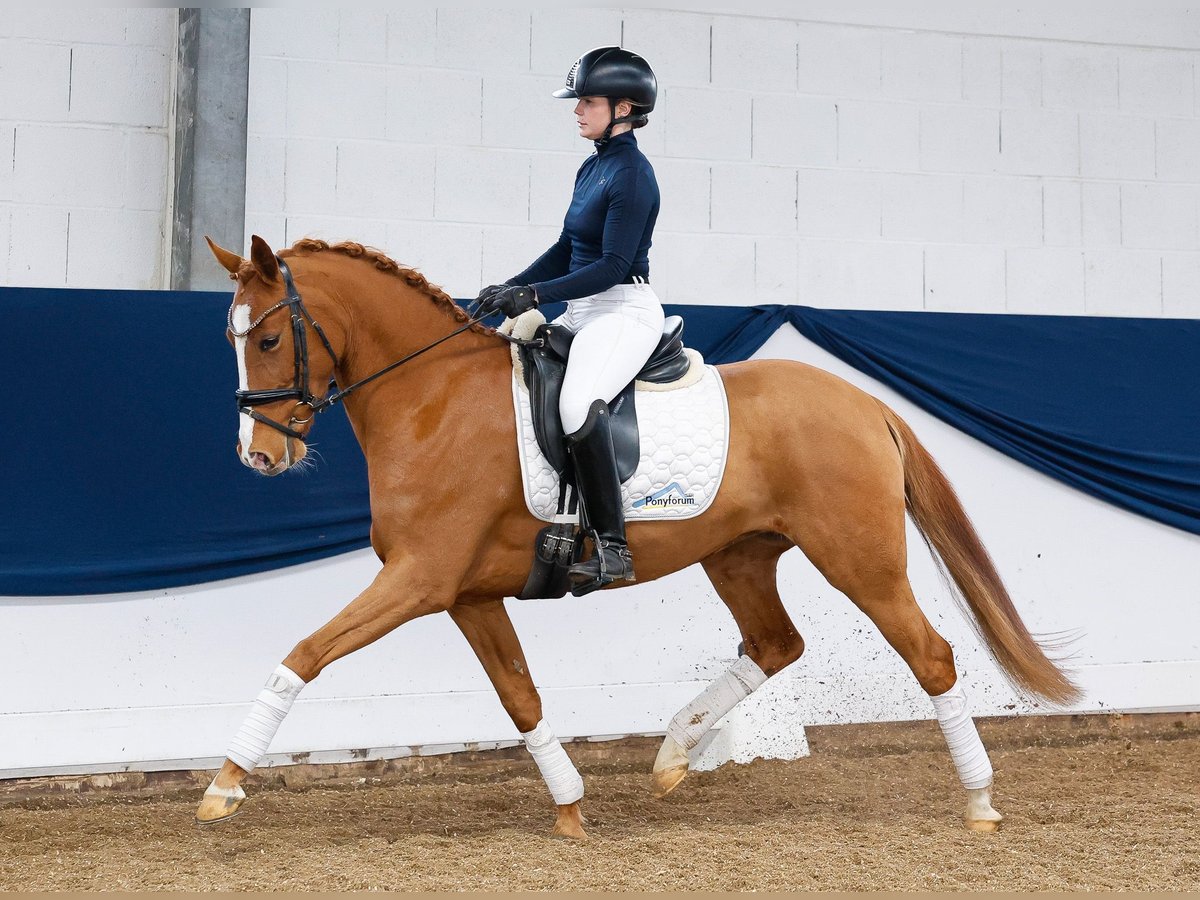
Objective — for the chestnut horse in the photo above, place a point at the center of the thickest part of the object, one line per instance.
(813, 463)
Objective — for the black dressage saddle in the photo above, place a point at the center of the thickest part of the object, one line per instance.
(544, 359)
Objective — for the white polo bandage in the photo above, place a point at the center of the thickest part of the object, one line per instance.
(250, 744)
(559, 772)
(966, 749)
(693, 721)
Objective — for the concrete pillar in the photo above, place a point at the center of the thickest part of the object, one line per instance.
(210, 143)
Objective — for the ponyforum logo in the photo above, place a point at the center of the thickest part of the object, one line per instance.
(670, 496)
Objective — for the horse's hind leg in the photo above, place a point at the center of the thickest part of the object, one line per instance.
(873, 575)
(490, 633)
(743, 574)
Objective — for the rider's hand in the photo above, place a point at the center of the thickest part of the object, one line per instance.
(486, 295)
(512, 300)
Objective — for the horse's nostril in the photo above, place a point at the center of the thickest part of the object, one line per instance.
(260, 460)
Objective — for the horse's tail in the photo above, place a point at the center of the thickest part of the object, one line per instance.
(947, 530)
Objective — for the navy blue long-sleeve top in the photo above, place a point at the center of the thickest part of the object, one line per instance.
(606, 232)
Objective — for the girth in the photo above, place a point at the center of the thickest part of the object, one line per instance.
(544, 359)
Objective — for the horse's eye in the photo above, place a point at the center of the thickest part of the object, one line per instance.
(269, 343)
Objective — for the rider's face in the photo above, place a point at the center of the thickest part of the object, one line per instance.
(593, 115)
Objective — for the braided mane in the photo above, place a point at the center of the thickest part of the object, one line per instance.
(385, 263)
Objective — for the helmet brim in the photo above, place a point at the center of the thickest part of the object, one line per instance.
(566, 94)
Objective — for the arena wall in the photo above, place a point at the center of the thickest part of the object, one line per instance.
(919, 160)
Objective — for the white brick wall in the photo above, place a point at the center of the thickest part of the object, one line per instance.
(896, 165)
(84, 138)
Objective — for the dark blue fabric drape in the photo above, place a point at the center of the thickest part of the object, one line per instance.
(119, 472)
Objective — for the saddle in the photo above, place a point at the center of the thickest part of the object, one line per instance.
(544, 360)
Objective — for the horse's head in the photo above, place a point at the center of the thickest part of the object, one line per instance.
(285, 360)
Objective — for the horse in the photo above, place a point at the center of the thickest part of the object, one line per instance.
(813, 462)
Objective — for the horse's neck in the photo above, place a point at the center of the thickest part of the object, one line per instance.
(438, 391)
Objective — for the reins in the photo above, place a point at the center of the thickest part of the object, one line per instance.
(248, 399)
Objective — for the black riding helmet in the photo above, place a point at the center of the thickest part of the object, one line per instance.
(618, 74)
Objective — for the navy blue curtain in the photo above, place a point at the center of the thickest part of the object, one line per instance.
(119, 472)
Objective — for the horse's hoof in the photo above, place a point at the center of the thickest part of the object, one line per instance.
(569, 823)
(220, 804)
(981, 815)
(670, 767)
(984, 826)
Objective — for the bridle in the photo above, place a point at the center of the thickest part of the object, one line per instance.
(299, 390)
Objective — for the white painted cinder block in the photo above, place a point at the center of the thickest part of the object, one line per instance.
(310, 176)
(1157, 82)
(922, 66)
(1181, 285)
(838, 60)
(558, 37)
(5, 231)
(794, 130)
(704, 268)
(151, 28)
(385, 180)
(1101, 213)
(490, 39)
(520, 111)
(1039, 142)
(147, 171)
(8, 147)
(1079, 76)
(266, 165)
(120, 85)
(35, 81)
(115, 248)
(753, 199)
(412, 35)
(336, 100)
(861, 275)
(448, 255)
(1178, 149)
(1123, 283)
(876, 135)
(922, 207)
(335, 229)
(1022, 73)
(1045, 281)
(684, 187)
(776, 270)
(1116, 146)
(982, 70)
(98, 26)
(437, 106)
(964, 279)
(1006, 211)
(707, 124)
(839, 204)
(959, 139)
(1062, 214)
(1160, 216)
(266, 107)
(310, 33)
(675, 43)
(754, 54)
(37, 253)
(475, 185)
(551, 183)
(362, 35)
(69, 166)
(509, 249)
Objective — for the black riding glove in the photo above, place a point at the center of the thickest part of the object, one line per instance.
(512, 300)
(487, 294)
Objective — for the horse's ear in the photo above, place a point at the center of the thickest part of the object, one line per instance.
(227, 258)
(263, 258)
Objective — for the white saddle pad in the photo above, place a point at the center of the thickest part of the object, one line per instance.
(684, 445)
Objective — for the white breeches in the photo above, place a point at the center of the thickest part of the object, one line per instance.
(615, 333)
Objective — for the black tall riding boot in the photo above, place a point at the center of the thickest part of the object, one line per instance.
(591, 449)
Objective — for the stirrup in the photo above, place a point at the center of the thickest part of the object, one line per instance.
(593, 574)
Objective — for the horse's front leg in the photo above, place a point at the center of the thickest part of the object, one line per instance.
(489, 631)
(397, 595)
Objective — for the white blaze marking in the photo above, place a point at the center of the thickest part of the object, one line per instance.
(241, 322)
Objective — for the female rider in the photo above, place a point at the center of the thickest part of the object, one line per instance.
(600, 266)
